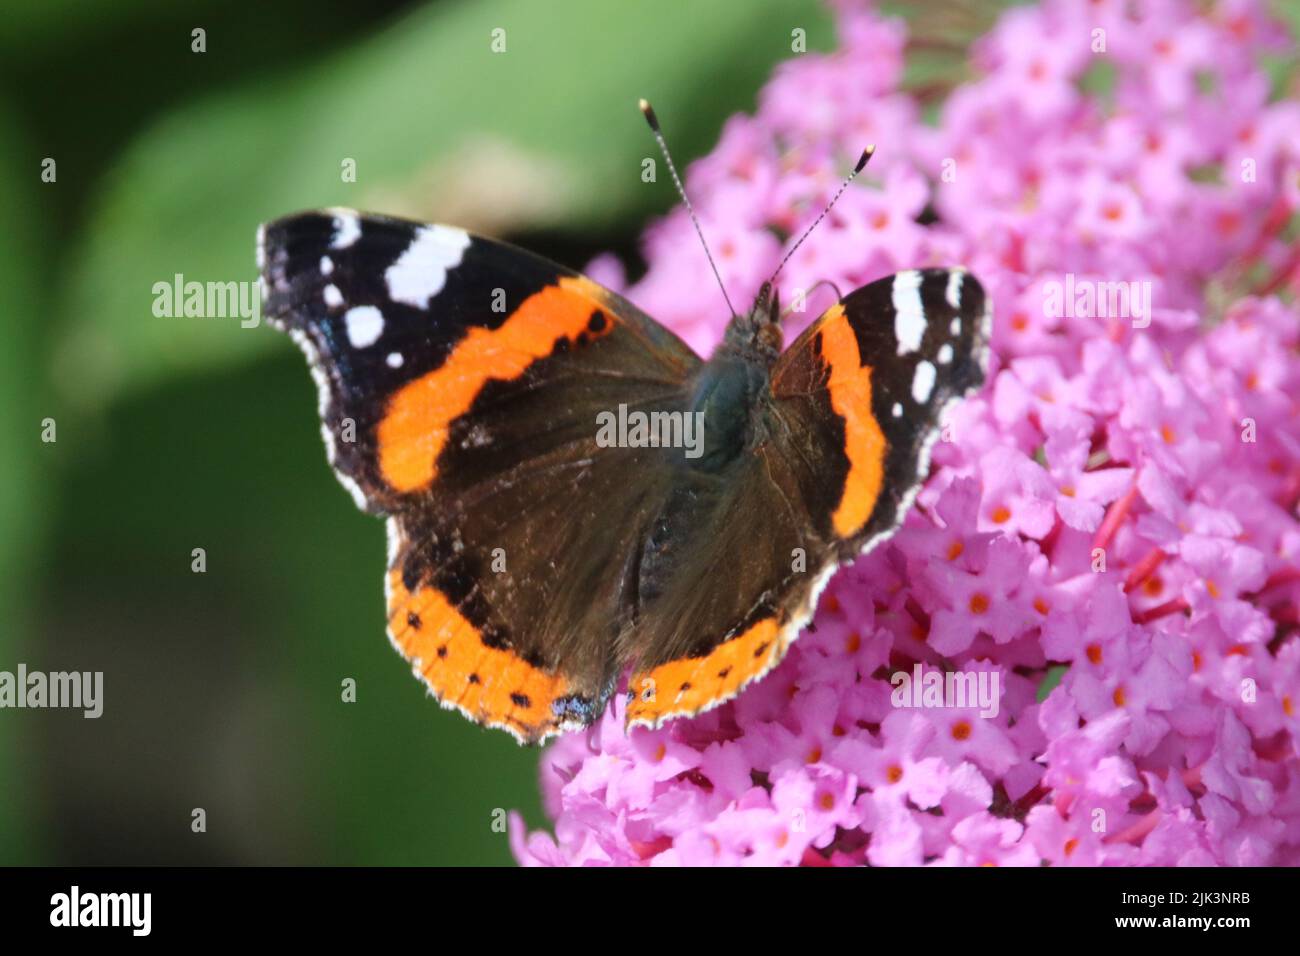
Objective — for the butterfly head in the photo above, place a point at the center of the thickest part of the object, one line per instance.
(757, 333)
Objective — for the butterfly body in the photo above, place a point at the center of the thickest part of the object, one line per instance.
(574, 497)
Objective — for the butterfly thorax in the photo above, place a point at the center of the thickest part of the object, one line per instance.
(726, 393)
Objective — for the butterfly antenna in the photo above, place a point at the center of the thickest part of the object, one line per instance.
(648, 112)
(862, 162)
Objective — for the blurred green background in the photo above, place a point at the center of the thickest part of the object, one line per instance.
(222, 689)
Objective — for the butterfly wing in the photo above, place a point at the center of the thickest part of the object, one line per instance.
(872, 378)
(854, 405)
(460, 381)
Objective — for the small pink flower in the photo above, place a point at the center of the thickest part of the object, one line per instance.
(986, 601)
(1081, 495)
(1018, 494)
(984, 840)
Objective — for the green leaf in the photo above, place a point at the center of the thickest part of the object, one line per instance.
(543, 135)
(1053, 677)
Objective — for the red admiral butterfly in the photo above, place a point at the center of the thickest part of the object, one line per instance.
(466, 387)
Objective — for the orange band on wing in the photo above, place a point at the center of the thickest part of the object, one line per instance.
(864, 442)
(415, 426)
(489, 685)
(692, 684)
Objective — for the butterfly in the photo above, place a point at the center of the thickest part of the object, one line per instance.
(572, 494)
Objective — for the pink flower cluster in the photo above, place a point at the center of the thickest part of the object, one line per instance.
(1110, 527)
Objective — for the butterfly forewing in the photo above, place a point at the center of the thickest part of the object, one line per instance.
(872, 378)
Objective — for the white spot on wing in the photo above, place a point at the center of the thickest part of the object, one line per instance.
(421, 271)
(897, 410)
(333, 297)
(945, 354)
(954, 327)
(347, 230)
(326, 265)
(394, 360)
(923, 381)
(365, 324)
(953, 292)
(909, 318)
